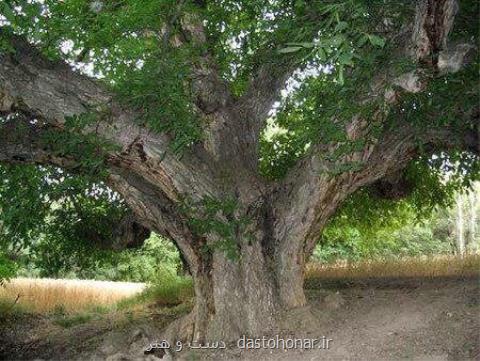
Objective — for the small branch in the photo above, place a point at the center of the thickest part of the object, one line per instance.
(171, 24)
(16, 300)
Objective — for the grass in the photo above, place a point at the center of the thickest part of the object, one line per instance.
(9, 308)
(421, 267)
(67, 321)
(46, 295)
(172, 291)
(73, 302)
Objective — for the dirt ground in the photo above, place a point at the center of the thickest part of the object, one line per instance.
(400, 319)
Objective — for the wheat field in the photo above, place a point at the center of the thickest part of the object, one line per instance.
(44, 295)
(422, 267)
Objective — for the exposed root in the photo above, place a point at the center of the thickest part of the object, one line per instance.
(180, 330)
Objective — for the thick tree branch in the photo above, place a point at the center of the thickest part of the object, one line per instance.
(21, 142)
(318, 194)
(51, 93)
(224, 129)
(251, 109)
(157, 212)
(314, 189)
(264, 89)
(153, 181)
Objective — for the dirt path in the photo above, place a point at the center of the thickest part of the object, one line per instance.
(396, 320)
(410, 320)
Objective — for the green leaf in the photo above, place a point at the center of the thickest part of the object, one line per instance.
(290, 49)
(346, 59)
(342, 25)
(321, 53)
(7, 11)
(307, 45)
(337, 40)
(376, 40)
(363, 39)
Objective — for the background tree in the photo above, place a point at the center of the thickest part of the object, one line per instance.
(465, 221)
(175, 122)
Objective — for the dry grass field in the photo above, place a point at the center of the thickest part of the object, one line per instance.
(44, 295)
(421, 267)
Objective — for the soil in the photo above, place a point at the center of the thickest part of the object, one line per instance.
(401, 319)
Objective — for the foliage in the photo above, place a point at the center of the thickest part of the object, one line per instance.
(147, 264)
(62, 226)
(370, 228)
(140, 49)
(119, 42)
(411, 239)
(157, 90)
(166, 290)
(89, 150)
(134, 45)
(448, 100)
(315, 113)
(218, 217)
(7, 269)
(70, 321)
(59, 220)
(329, 90)
(170, 290)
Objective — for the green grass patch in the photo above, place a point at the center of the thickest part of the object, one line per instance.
(169, 290)
(67, 321)
(9, 309)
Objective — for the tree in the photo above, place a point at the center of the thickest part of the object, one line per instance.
(465, 221)
(175, 124)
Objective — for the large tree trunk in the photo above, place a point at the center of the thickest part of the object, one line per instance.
(241, 297)
(245, 290)
(244, 295)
